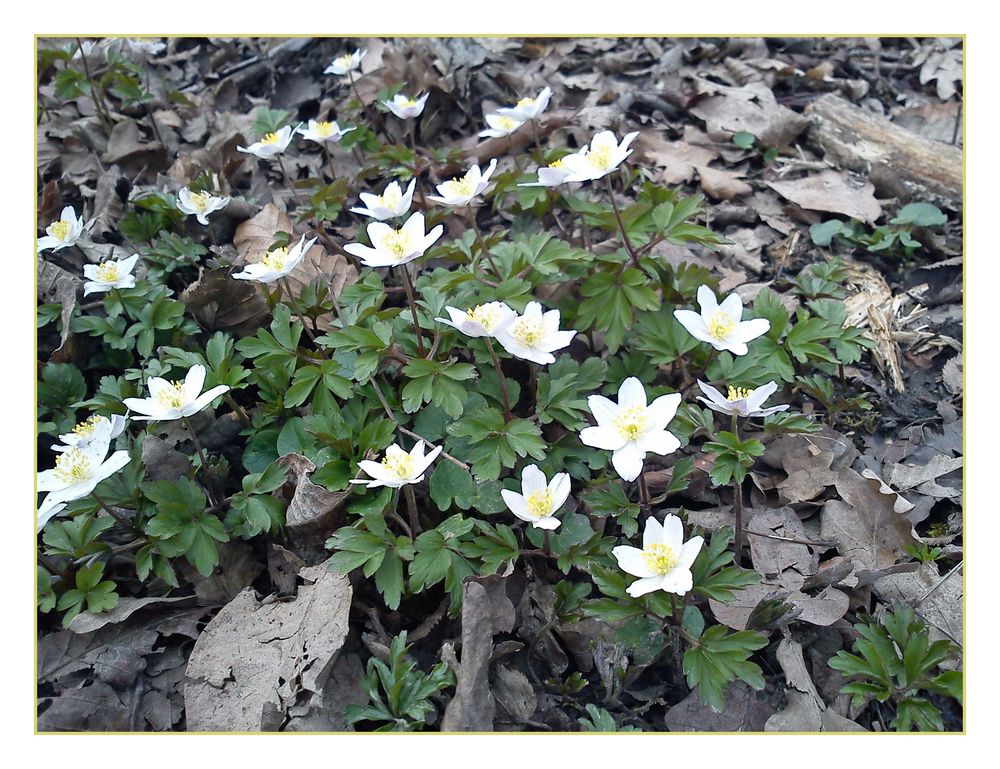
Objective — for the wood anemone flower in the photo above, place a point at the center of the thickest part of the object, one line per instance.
(539, 499)
(398, 467)
(392, 248)
(174, 400)
(721, 325)
(740, 401)
(461, 191)
(664, 562)
(63, 232)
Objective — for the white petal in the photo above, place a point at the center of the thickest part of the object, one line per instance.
(194, 382)
(689, 552)
(516, 504)
(749, 330)
(631, 560)
(662, 410)
(673, 533)
(628, 461)
(203, 400)
(707, 301)
(659, 442)
(736, 348)
(631, 394)
(652, 534)
(756, 399)
(532, 480)
(424, 462)
(732, 305)
(605, 411)
(560, 488)
(607, 438)
(694, 324)
(713, 394)
(678, 581)
(549, 522)
(642, 586)
(112, 465)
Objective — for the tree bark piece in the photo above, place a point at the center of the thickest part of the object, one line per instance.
(866, 143)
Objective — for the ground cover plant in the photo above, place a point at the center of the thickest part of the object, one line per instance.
(475, 384)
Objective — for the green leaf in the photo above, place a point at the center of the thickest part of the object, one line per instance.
(720, 658)
(492, 442)
(920, 215)
(744, 140)
(611, 298)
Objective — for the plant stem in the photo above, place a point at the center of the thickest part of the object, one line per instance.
(621, 225)
(644, 497)
(238, 410)
(121, 519)
(99, 104)
(411, 508)
(411, 134)
(501, 377)
(204, 462)
(548, 544)
(288, 180)
(298, 310)
(53, 568)
(533, 382)
(328, 161)
(410, 297)
(738, 504)
(482, 243)
(402, 524)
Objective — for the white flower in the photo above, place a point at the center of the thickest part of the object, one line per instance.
(664, 563)
(62, 233)
(276, 263)
(405, 107)
(78, 471)
(390, 204)
(47, 511)
(200, 204)
(173, 400)
(346, 63)
(391, 248)
(482, 320)
(602, 157)
(500, 125)
(539, 499)
(108, 275)
(528, 108)
(630, 428)
(720, 324)
(398, 467)
(552, 175)
(740, 401)
(458, 192)
(97, 428)
(145, 46)
(271, 144)
(535, 336)
(321, 131)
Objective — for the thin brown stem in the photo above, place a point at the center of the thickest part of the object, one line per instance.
(288, 180)
(411, 508)
(402, 524)
(501, 377)
(238, 410)
(99, 103)
(644, 498)
(204, 462)
(117, 516)
(298, 310)
(411, 298)
(482, 243)
(621, 225)
(738, 505)
(328, 161)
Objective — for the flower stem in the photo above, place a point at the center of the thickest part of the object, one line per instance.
(411, 508)
(288, 180)
(53, 568)
(738, 504)
(298, 310)
(204, 462)
(621, 225)
(120, 518)
(328, 161)
(644, 498)
(237, 409)
(95, 91)
(548, 542)
(408, 285)
(482, 243)
(501, 377)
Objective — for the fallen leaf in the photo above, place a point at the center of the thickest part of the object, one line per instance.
(162, 462)
(831, 191)
(312, 510)
(721, 184)
(515, 694)
(936, 598)
(87, 622)
(746, 711)
(750, 108)
(221, 303)
(59, 286)
(780, 561)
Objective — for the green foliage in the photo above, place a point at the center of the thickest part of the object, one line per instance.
(490, 442)
(894, 238)
(733, 457)
(399, 693)
(369, 545)
(612, 295)
(894, 660)
(182, 525)
(712, 574)
(600, 720)
(91, 592)
(719, 657)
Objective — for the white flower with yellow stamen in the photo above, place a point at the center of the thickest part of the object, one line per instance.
(740, 401)
(108, 275)
(602, 157)
(390, 204)
(63, 232)
(721, 325)
(664, 562)
(552, 175)
(271, 144)
(539, 499)
(322, 131)
(482, 320)
(173, 400)
(200, 204)
(500, 125)
(345, 63)
(406, 107)
(78, 471)
(460, 191)
(277, 263)
(391, 248)
(398, 467)
(535, 335)
(630, 428)
(528, 108)
(97, 428)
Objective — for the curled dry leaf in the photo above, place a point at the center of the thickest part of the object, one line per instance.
(59, 286)
(312, 510)
(831, 191)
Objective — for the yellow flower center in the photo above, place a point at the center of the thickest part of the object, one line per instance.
(540, 503)
(172, 397)
(737, 393)
(600, 157)
(323, 128)
(270, 138)
(398, 462)
(721, 325)
(398, 243)
(557, 163)
(276, 259)
(525, 102)
(201, 200)
(485, 316)
(346, 60)
(528, 331)
(631, 422)
(72, 466)
(59, 229)
(408, 103)
(107, 272)
(390, 198)
(508, 124)
(660, 558)
(463, 186)
(87, 427)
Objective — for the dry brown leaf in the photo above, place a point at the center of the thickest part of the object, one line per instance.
(313, 510)
(745, 712)
(780, 561)
(721, 184)
(750, 108)
(220, 302)
(678, 159)
(59, 286)
(831, 191)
